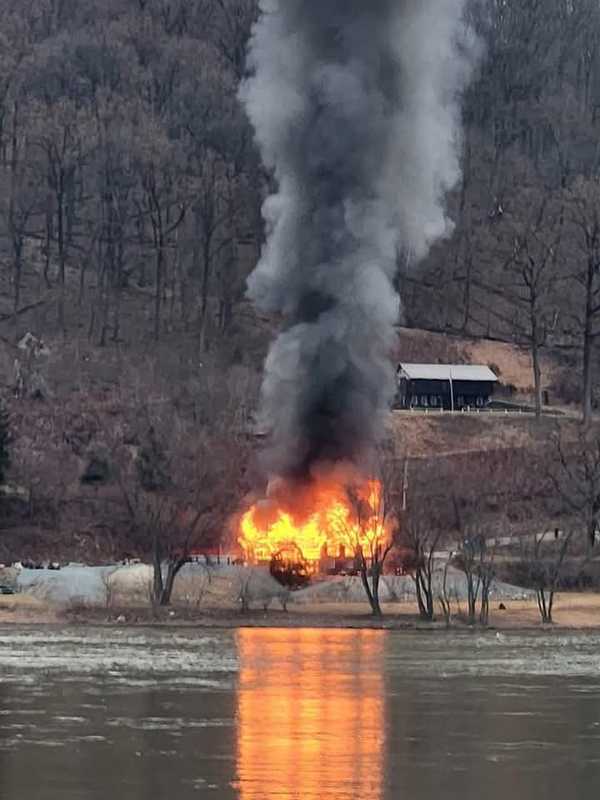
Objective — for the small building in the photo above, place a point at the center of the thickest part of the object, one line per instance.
(450, 387)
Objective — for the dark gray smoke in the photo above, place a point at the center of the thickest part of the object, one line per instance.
(356, 107)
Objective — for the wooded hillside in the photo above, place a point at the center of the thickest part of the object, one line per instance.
(131, 189)
(130, 197)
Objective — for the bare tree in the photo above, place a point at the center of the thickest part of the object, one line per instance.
(233, 25)
(422, 537)
(162, 202)
(111, 215)
(487, 573)
(584, 210)
(476, 562)
(183, 479)
(530, 271)
(63, 137)
(575, 474)
(191, 511)
(173, 532)
(445, 595)
(21, 207)
(371, 528)
(543, 560)
(213, 211)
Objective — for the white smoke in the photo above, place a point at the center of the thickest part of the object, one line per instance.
(437, 53)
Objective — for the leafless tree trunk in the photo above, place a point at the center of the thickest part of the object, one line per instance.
(372, 526)
(545, 562)
(477, 564)
(422, 539)
(584, 211)
(575, 475)
(444, 598)
(588, 342)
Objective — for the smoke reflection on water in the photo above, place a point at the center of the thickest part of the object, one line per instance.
(308, 728)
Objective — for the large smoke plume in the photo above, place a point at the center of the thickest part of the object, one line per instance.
(356, 108)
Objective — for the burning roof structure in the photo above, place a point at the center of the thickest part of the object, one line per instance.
(320, 518)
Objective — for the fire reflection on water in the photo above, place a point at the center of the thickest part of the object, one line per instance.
(307, 726)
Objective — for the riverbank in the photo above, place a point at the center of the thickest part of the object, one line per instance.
(574, 611)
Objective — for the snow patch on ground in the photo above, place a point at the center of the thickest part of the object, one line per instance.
(229, 583)
(395, 588)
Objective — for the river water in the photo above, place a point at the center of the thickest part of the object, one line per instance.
(132, 714)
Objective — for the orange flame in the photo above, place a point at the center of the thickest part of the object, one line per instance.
(324, 518)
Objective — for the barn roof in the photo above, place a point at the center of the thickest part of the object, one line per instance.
(445, 372)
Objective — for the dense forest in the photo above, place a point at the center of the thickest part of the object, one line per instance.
(126, 159)
(127, 163)
(130, 217)
(128, 172)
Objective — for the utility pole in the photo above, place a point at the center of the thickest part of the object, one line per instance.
(451, 390)
(405, 485)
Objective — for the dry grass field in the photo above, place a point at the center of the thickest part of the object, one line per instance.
(217, 608)
(23, 608)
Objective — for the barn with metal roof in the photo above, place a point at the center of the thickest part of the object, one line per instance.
(451, 387)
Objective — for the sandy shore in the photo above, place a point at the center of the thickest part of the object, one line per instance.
(572, 611)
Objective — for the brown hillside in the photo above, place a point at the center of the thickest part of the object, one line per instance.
(511, 363)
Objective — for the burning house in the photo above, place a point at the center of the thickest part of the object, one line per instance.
(355, 108)
(320, 525)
